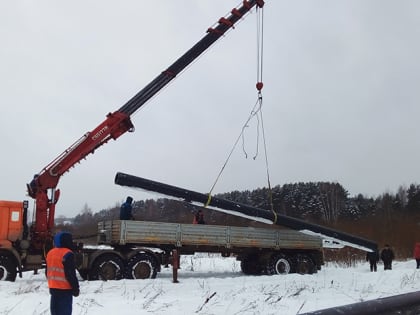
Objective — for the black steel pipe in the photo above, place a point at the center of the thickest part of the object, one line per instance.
(123, 179)
(408, 304)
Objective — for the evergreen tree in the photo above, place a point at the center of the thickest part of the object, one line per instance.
(413, 198)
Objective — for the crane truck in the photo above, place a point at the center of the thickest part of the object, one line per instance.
(23, 247)
(128, 253)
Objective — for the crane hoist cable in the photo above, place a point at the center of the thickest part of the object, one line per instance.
(255, 112)
(259, 86)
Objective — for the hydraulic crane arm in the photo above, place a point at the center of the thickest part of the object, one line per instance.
(115, 125)
(213, 34)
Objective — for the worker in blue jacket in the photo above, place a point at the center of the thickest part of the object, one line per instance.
(126, 209)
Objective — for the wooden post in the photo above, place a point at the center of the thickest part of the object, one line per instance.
(175, 265)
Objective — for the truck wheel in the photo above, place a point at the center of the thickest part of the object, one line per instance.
(304, 265)
(279, 264)
(7, 268)
(107, 267)
(250, 265)
(141, 266)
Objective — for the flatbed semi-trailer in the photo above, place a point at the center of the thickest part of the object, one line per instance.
(138, 249)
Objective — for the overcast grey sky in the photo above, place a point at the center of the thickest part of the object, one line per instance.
(340, 97)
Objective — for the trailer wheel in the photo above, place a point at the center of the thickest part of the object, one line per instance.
(107, 267)
(279, 264)
(142, 266)
(7, 268)
(250, 265)
(304, 265)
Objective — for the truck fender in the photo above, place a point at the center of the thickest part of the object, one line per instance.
(136, 250)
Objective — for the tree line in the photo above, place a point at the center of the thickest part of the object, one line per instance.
(391, 218)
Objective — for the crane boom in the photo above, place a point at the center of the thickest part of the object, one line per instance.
(213, 34)
(115, 125)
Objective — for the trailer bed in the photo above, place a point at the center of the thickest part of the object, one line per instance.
(145, 233)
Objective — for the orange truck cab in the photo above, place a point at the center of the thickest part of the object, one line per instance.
(14, 242)
(11, 222)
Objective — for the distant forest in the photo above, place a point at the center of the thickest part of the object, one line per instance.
(387, 219)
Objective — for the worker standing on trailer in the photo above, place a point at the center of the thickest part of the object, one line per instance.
(61, 275)
(126, 209)
(199, 217)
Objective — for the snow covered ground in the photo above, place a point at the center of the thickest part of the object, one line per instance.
(215, 285)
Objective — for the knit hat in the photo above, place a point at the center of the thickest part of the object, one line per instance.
(63, 239)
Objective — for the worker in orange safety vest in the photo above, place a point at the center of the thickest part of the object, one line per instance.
(61, 275)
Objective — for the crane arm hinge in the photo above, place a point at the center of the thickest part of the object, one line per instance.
(260, 3)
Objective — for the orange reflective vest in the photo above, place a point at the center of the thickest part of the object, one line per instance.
(55, 269)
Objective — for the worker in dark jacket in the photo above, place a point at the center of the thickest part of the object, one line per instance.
(373, 259)
(387, 256)
(126, 209)
(199, 217)
(416, 254)
(61, 275)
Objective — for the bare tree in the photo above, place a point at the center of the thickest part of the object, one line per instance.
(333, 200)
